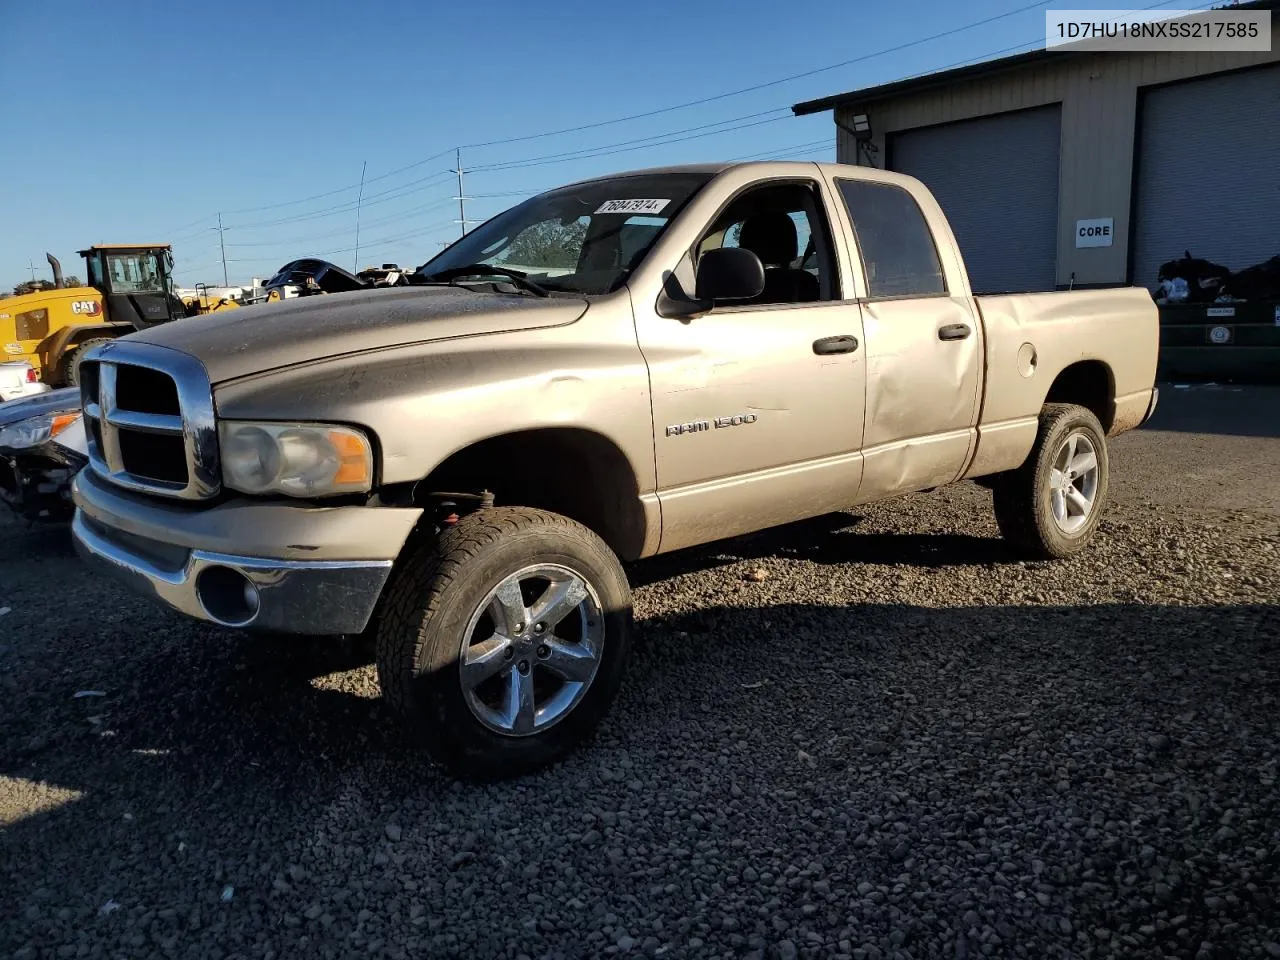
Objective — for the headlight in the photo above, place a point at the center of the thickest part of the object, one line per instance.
(35, 430)
(297, 459)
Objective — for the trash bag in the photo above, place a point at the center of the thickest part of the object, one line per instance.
(1172, 291)
(1204, 278)
(1259, 282)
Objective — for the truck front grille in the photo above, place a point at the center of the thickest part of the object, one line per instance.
(149, 413)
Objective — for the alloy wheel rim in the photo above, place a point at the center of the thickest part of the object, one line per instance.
(531, 650)
(1073, 483)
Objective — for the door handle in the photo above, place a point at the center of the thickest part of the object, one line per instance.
(830, 345)
(954, 331)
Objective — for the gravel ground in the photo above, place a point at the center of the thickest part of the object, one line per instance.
(900, 743)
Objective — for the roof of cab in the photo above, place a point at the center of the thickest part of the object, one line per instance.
(126, 246)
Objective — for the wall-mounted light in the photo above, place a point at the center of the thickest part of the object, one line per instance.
(862, 128)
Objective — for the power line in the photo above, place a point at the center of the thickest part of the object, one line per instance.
(653, 113)
(309, 238)
(763, 86)
(574, 154)
(204, 266)
(607, 153)
(586, 153)
(663, 139)
(1033, 44)
(193, 223)
(332, 193)
(394, 193)
(624, 146)
(784, 151)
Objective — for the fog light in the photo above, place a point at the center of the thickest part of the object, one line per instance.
(227, 596)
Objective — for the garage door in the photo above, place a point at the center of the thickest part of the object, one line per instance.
(1207, 159)
(997, 180)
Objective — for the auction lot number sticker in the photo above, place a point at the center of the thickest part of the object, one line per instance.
(632, 206)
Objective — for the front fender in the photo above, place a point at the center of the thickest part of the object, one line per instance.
(426, 402)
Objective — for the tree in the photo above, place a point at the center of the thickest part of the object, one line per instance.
(32, 286)
(36, 286)
(548, 244)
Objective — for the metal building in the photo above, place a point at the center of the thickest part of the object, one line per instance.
(1064, 167)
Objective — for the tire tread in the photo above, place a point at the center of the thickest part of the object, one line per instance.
(415, 596)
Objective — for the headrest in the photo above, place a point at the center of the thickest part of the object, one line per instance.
(771, 237)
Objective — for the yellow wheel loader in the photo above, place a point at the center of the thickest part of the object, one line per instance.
(130, 288)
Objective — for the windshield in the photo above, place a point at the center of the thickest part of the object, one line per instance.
(585, 238)
(140, 272)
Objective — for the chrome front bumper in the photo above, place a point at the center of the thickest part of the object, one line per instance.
(119, 535)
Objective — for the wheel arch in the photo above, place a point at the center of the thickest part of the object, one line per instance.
(1090, 384)
(55, 346)
(573, 471)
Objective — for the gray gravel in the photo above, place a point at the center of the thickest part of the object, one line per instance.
(898, 743)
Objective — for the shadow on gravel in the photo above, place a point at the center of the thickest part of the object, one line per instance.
(829, 539)
(22, 542)
(221, 745)
(1234, 410)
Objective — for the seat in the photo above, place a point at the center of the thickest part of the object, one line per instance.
(772, 237)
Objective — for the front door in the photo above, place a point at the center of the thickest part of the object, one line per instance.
(758, 405)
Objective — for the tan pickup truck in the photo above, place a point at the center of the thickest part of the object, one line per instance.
(610, 370)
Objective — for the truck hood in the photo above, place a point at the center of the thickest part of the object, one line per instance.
(248, 340)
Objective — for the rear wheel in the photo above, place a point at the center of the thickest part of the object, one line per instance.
(504, 642)
(69, 368)
(1050, 507)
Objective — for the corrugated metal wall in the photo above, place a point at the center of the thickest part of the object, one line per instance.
(1099, 98)
(1006, 225)
(1209, 172)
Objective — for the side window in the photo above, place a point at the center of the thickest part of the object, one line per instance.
(897, 245)
(784, 226)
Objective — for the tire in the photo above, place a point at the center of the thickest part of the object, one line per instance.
(1034, 506)
(440, 607)
(69, 368)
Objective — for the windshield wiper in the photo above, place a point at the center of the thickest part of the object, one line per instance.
(521, 280)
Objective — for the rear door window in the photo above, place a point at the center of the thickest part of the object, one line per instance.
(897, 247)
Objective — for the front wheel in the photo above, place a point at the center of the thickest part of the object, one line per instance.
(69, 368)
(504, 642)
(1049, 508)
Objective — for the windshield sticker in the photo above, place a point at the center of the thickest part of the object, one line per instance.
(632, 206)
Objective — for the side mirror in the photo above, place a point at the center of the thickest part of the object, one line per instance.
(729, 273)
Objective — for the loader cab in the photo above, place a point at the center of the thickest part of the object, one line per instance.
(135, 281)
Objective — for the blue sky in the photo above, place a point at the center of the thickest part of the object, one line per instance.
(139, 123)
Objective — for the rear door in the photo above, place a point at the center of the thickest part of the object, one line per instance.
(923, 339)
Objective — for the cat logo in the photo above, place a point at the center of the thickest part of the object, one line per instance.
(86, 308)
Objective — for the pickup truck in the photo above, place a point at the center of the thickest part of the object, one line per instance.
(625, 366)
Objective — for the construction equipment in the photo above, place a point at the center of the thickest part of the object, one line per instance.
(202, 301)
(130, 288)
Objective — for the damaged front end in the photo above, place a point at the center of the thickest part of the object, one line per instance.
(42, 446)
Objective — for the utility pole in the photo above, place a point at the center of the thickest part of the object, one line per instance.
(223, 246)
(359, 201)
(461, 197)
(32, 267)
